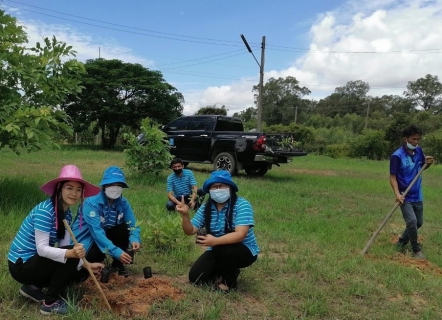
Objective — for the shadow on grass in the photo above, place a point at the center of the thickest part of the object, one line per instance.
(242, 174)
(90, 147)
(19, 195)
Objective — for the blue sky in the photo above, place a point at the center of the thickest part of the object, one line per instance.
(197, 44)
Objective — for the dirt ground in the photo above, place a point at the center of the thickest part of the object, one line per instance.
(407, 260)
(129, 297)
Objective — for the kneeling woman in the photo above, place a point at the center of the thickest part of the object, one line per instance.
(228, 220)
(34, 261)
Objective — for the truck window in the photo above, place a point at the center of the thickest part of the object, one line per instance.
(229, 124)
(179, 124)
(202, 123)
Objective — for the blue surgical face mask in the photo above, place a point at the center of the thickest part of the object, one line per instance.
(220, 195)
(410, 146)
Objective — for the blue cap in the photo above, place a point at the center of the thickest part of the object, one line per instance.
(113, 175)
(219, 176)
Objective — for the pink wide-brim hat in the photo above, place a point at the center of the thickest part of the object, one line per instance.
(70, 172)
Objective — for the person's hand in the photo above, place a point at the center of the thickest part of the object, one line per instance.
(207, 240)
(125, 258)
(400, 198)
(79, 251)
(182, 207)
(192, 204)
(429, 159)
(96, 267)
(135, 246)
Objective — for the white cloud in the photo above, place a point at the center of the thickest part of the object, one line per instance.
(87, 46)
(379, 26)
(393, 28)
(407, 26)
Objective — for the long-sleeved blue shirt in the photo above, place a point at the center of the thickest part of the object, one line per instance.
(96, 216)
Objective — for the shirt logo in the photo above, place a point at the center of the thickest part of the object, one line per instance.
(92, 214)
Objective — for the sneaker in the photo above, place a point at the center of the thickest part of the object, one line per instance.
(419, 255)
(58, 307)
(32, 292)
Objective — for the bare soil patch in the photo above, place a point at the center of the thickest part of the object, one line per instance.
(130, 297)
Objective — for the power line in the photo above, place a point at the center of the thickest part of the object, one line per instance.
(212, 41)
(132, 32)
(115, 24)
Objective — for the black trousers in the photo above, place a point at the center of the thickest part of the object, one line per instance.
(43, 272)
(119, 235)
(222, 261)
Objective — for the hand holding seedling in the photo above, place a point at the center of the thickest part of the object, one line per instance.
(125, 258)
(182, 207)
(96, 267)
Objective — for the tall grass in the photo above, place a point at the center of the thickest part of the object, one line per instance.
(313, 217)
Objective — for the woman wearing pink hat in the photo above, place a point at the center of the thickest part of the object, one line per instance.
(34, 261)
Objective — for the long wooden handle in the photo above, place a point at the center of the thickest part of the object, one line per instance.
(392, 210)
(86, 264)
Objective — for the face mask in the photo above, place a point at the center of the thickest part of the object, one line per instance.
(113, 192)
(410, 146)
(220, 195)
(178, 171)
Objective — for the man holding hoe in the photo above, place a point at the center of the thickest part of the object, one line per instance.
(405, 164)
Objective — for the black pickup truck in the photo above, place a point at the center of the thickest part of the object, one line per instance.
(221, 141)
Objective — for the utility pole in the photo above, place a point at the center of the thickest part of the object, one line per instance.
(261, 78)
(366, 117)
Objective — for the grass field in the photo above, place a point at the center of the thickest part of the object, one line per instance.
(313, 217)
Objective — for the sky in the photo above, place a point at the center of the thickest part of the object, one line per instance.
(197, 44)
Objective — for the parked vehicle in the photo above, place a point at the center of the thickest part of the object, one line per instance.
(221, 141)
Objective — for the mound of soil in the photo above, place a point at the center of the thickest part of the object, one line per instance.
(129, 297)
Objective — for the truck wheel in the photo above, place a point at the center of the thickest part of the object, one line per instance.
(225, 161)
(256, 171)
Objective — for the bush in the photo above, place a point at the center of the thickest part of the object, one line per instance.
(433, 145)
(153, 155)
(335, 151)
(370, 144)
(162, 231)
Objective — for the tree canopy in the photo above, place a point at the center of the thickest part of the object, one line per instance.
(280, 98)
(425, 92)
(34, 81)
(118, 94)
(212, 110)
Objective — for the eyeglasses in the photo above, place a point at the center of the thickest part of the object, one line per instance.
(218, 186)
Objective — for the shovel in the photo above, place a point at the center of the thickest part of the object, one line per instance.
(86, 264)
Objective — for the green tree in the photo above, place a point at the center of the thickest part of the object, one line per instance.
(280, 98)
(212, 110)
(425, 93)
(350, 98)
(151, 156)
(247, 115)
(117, 94)
(34, 81)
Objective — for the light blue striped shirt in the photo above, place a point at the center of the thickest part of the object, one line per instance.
(181, 186)
(242, 215)
(41, 218)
